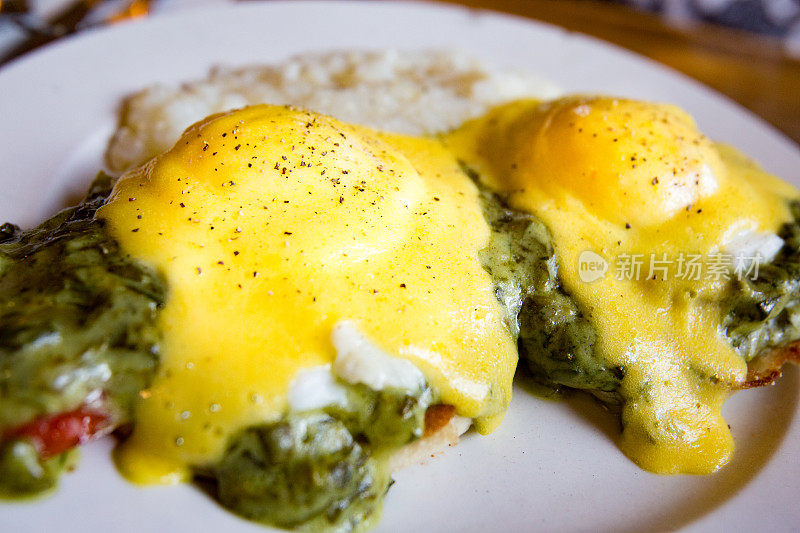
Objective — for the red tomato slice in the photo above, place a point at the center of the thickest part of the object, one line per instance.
(56, 434)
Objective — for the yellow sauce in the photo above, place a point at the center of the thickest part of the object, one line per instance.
(618, 177)
(271, 225)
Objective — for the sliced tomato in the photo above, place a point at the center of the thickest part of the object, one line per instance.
(56, 434)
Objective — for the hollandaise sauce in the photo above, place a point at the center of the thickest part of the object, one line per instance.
(619, 184)
(270, 226)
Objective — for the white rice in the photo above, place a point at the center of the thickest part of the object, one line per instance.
(405, 92)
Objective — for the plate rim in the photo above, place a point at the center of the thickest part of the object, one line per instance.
(74, 41)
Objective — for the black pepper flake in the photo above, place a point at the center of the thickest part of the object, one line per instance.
(627, 225)
(224, 134)
(287, 232)
(205, 147)
(249, 165)
(402, 285)
(237, 146)
(182, 204)
(134, 230)
(139, 217)
(435, 198)
(199, 270)
(341, 199)
(236, 252)
(255, 273)
(654, 181)
(131, 199)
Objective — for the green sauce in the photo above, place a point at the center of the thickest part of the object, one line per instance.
(77, 319)
(323, 470)
(763, 313)
(24, 473)
(555, 338)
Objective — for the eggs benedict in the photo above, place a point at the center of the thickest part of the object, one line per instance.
(319, 247)
(282, 304)
(626, 181)
(323, 298)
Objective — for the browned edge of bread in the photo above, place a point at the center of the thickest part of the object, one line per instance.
(767, 368)
(442, 429)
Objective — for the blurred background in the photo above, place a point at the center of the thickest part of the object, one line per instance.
(748, 50)
(775, 18)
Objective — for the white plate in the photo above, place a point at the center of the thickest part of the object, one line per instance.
(550, 465)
